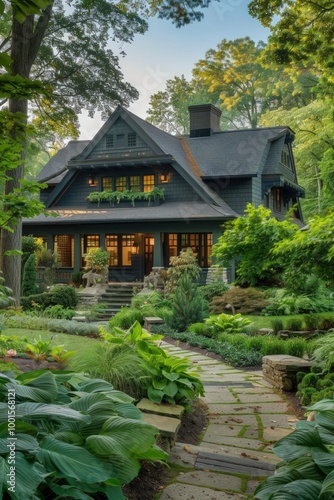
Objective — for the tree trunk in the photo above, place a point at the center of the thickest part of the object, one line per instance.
(26, 40)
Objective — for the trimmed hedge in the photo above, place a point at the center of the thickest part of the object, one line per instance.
(66, 296)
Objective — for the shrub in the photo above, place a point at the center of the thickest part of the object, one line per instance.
(47, 259)
(277, 325)
(59, 312)
(76, 279)
(296, 347)
(6, 294)
(64, 296)
(169, 381)
(272, 345)
(119, 365)
(294, 324)
(73, 327)
(96, 259)
(185, 264)
(244, 301)
(125, 318)
(228, 323)
(74, 428)
(29, 286)
(306, 471)
(312, 322)
(188, 305)
(212, 290)
(202, 329)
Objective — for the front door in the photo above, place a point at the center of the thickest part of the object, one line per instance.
(148, 253)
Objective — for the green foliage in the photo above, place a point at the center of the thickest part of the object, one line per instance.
(202, 329)
(120, 365)
(58, 311)
(29, 246)
(307, 468)
(244, 300)
(212, 290)
(6, 294)
(65, 296)
(125, 318)
(277, 325)
(251, 240)
(73, 327)
(188, 304)
(76, 278)
(284, 303)
(117, 196)
(185, 264)
(12, 343)
(48, 260)
(312, 322)
(228, 323)
(169, 381)
(29, 286)
(76, 428)
(96, 259)
(294, 324)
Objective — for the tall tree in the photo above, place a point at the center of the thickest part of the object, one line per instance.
(302, 31)
(22, 45)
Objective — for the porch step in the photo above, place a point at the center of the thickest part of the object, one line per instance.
(115, 297)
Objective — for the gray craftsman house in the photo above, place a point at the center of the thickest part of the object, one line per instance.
(143, 194)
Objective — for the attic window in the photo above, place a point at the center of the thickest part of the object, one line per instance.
(109, 141)
(285, 159)
(132, 139)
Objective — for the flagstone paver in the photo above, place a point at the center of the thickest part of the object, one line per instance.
(246, 417)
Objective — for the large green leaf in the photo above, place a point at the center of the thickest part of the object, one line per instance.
(2, 473)
(73, 461)
(22, 427)
(155, 395)
(96, 385)
(23, 442)
(38, 411)
(42, 389)
(154, 453)
(171, 389)
(127, 467)
(302, 489)
(271, 485)
(69, 437)
(328, 483)
(123, 436)
(159, 384)
(170, 376)
(325, 419)
(324, 460)
(28, 476)
(323, 405)
(305, 466)
(298, 443)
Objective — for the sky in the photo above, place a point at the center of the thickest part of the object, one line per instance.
(165, 51)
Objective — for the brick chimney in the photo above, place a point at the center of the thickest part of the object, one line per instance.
(204, 120)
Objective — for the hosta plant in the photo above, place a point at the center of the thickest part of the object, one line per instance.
(170, 380)
(76, 437)
(307, 470)
(228, 323)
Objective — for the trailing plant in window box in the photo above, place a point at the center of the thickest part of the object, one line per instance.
(116, 196)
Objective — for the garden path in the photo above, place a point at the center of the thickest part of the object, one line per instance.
(246, 417)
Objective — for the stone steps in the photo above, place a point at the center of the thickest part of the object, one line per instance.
(115, 297)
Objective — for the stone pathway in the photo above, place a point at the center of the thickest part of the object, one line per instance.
(246, 417)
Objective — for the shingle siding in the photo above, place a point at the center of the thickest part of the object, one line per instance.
(237, 193)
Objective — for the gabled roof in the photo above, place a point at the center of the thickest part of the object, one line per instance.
(234, 152)
(55, 169)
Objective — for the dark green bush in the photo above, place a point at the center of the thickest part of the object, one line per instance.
(76, 278)
(126, 317)
(64, 296)
(29, 277)
(244, 300)
(312, 322)
(212, 290)
(188, 304)
(277, 325)
(294, 324)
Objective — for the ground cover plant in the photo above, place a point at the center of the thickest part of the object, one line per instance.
(244, 301)
(77, 437)
(307, 470)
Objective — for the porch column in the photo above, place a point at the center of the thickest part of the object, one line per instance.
(157, 253)
(49, 242)
(77, 253)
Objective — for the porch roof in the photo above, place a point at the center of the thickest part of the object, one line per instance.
(165, 212)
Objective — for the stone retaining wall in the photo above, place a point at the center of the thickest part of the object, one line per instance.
(281, 370)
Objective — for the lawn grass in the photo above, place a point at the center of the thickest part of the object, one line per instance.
(69, 342)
